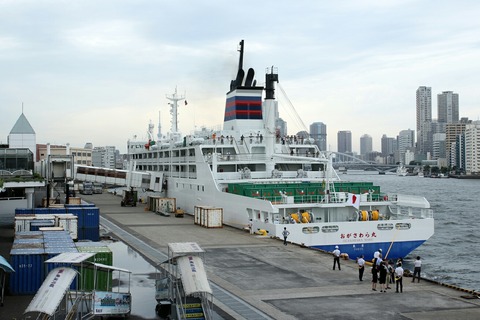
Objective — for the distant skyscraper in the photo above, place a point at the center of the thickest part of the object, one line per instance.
(448, 108)
(318, 131)
(344, 141)
(365, 144)
(424, 116)
(389, 145)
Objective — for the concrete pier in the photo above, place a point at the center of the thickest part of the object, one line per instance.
(257, 277)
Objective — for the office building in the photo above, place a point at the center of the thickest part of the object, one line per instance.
(104, 157)
(344, 141)
(318, 131)
(365, 144)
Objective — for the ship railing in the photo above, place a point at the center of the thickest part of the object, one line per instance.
(411, 212)
(186, 175)
(334, 197)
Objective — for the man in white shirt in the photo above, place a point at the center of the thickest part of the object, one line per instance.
(361, 267)
(417, 269)
(399, 277)
(336, 258)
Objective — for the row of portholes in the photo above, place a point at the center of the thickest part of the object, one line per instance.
(380, 226)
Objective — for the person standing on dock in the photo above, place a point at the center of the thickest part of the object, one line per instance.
(382, 278)
(399, 277)
(417, 269)
(285, 234)
(250, 226)
(336, 258)
(361, 267)
(374, 274)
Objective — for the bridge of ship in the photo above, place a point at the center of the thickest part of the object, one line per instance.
(315, 192)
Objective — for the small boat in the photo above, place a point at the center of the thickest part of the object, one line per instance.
(402, 171)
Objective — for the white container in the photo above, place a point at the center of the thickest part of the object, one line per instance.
(213, 218)
(68, 222)
(22, 224)
(168, 205)
(209, 217)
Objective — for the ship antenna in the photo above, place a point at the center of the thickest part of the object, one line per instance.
(174, 109)
(240, 60)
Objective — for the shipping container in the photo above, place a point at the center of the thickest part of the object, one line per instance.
(29, 274)
(209, 217)
(166, 205)
(92, 234)
(103, 279)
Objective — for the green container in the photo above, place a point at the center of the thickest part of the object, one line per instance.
(102, 255)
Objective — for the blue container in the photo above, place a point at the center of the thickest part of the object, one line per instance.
(91, 217)
(57, 210)
(92, 234)
(41, 211)
(23, 211)
(28, 275)
(37, 224)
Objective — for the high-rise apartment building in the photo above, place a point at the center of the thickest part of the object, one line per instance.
(318, 131)
(452, 130)
(365, 144)
(424, 116)
(344, 141)
(448, 109)
(472, 147)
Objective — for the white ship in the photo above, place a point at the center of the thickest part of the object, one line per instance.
(269, 182)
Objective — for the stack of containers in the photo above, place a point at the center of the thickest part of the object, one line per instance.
(29, 252)
(103, 255)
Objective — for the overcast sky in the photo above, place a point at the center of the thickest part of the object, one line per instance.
(98, 71)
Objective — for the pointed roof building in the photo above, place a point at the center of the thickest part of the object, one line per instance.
(22, 135)
(22, 126)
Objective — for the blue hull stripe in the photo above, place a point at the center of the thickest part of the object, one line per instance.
(398, 249)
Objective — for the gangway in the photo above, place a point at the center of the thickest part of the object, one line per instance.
(182, 288)
(79, 304)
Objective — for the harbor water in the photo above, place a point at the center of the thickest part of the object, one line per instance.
(452, 255)
(142, 279)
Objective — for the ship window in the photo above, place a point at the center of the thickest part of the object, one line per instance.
(329, 229)
(203, 188)
(309, 230)
(385, 226)
(403, 226)
(198, 188)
